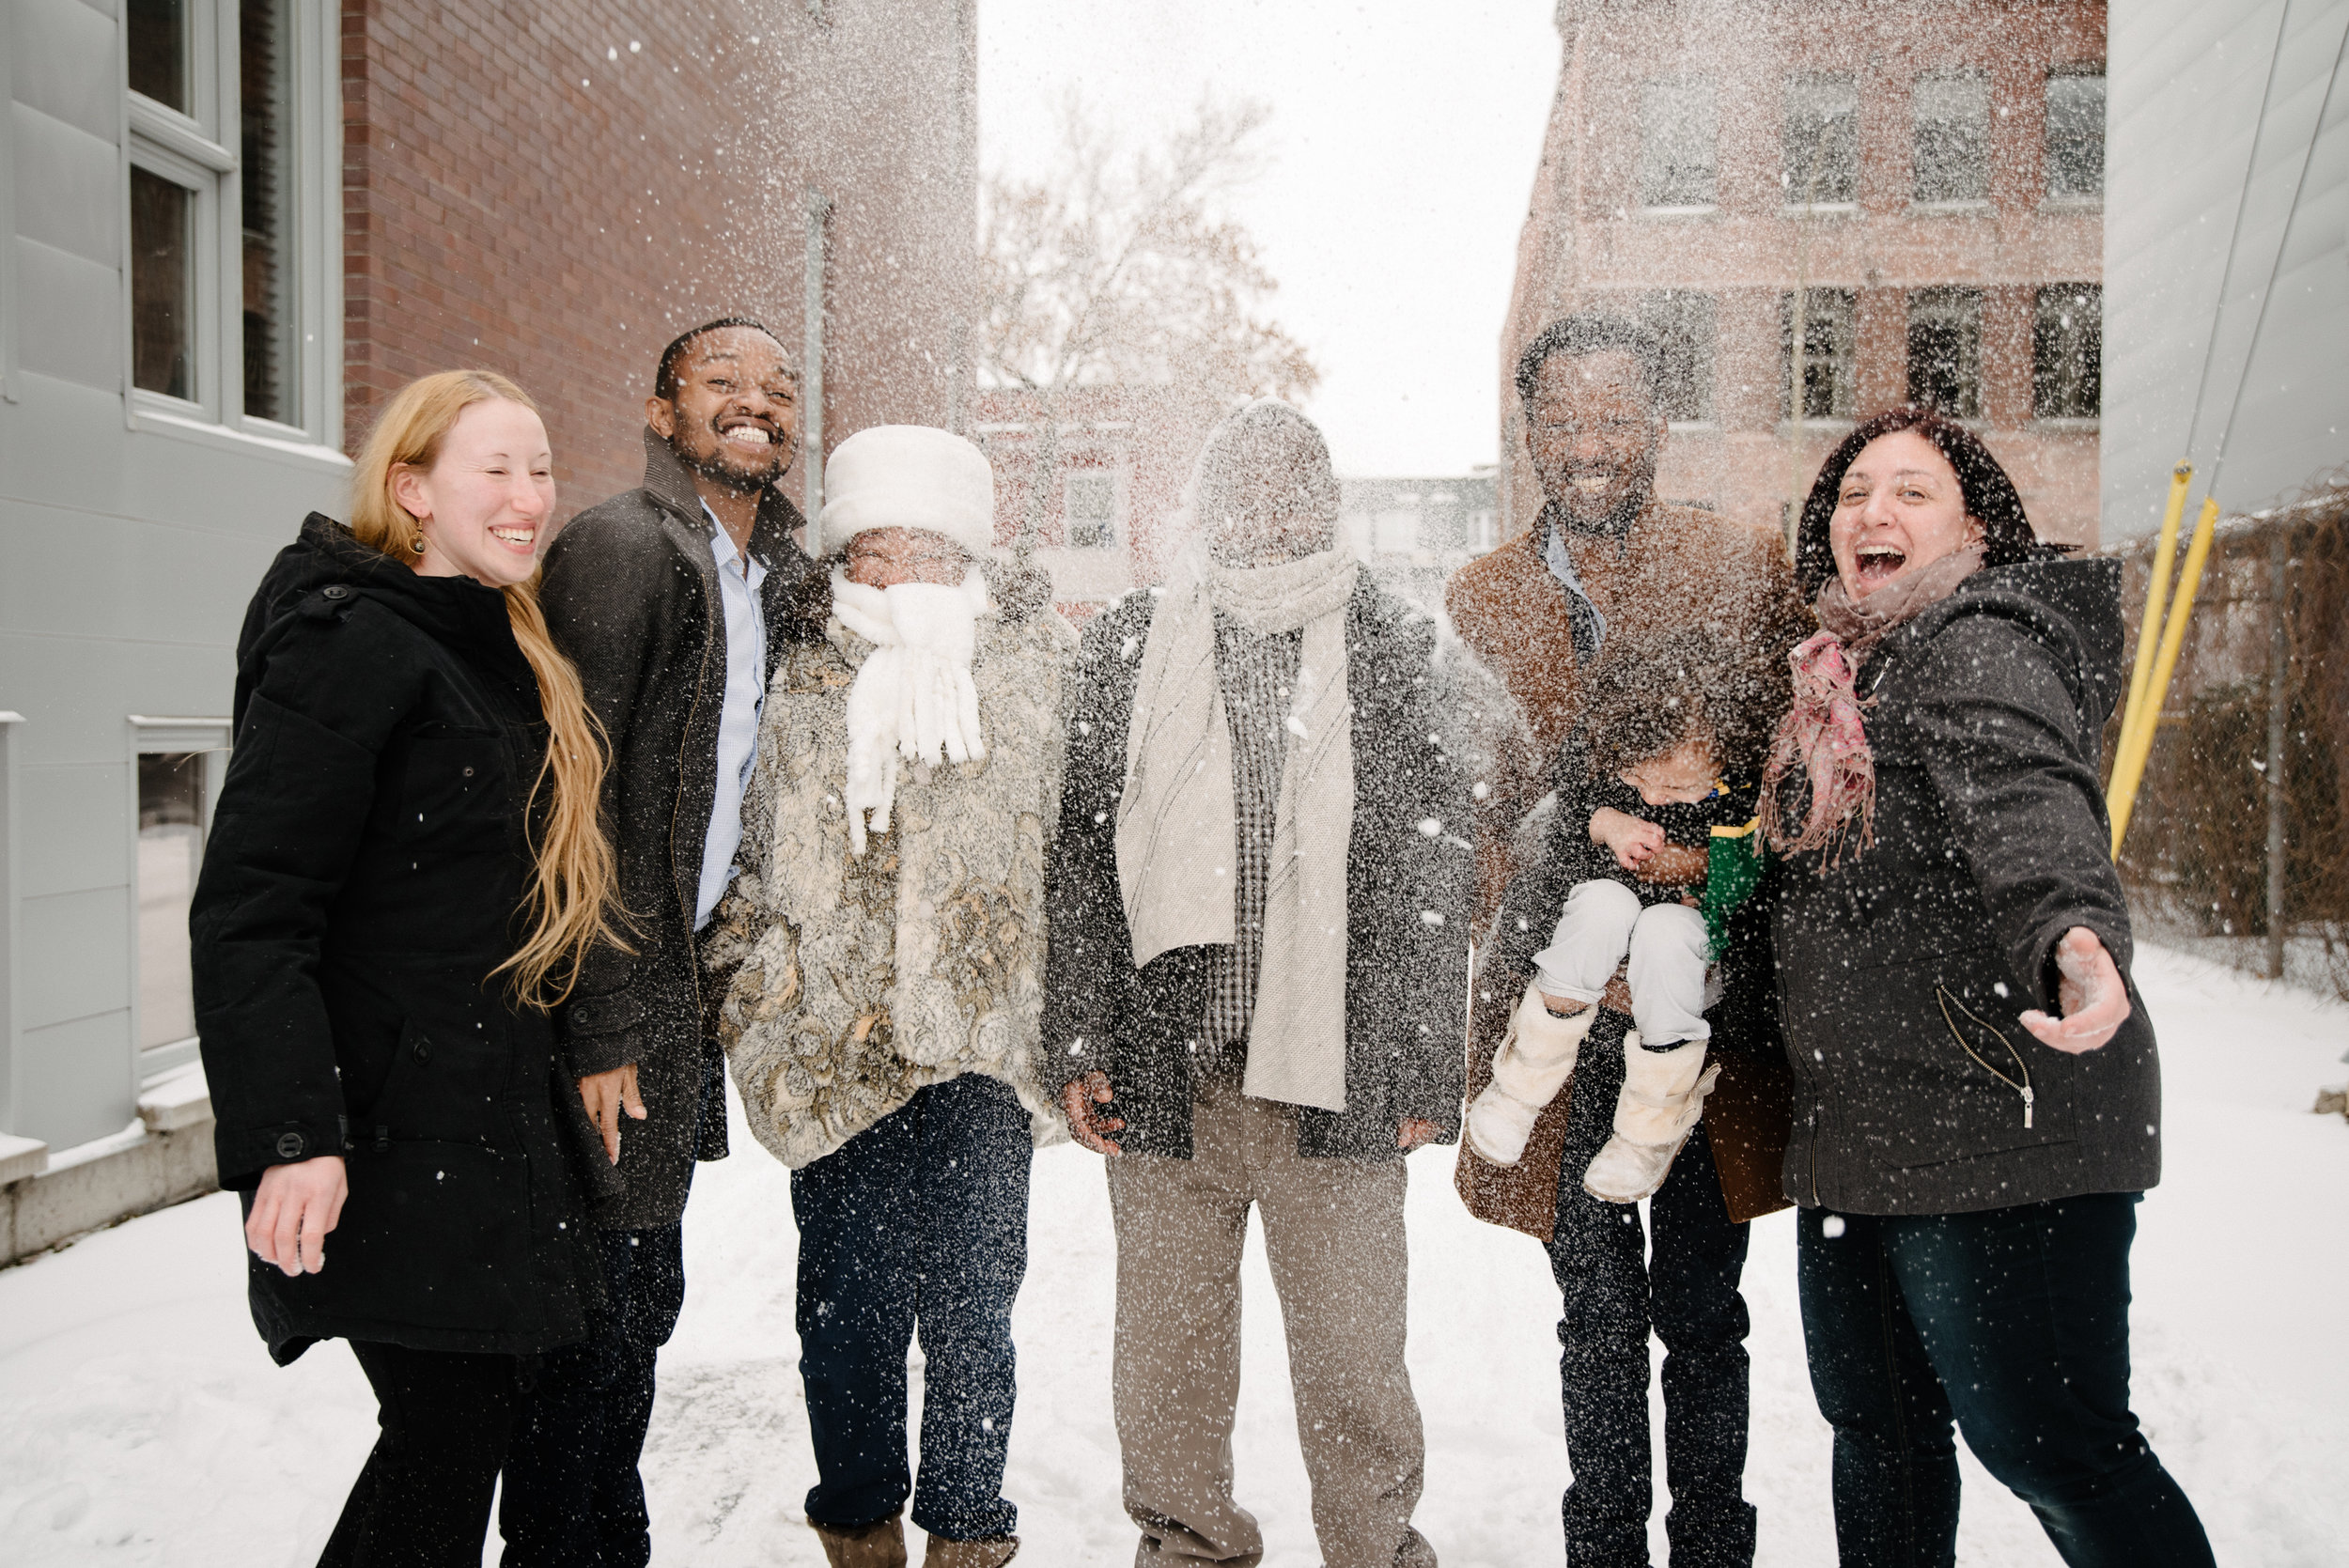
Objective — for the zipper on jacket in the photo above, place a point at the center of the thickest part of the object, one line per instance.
(710, 617)
(2023, 1088)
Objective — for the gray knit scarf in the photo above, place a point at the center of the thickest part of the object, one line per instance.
(1178, 851)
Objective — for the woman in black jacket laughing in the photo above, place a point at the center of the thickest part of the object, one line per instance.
(405, 868)
(1978, 1099)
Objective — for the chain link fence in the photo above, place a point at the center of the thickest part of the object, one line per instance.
(2239, 847)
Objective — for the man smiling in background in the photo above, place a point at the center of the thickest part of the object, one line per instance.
(672, 600)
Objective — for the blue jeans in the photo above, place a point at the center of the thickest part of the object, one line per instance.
(1614, 1292)
(920, 1223)
(2015, 1323)
(573, 1498)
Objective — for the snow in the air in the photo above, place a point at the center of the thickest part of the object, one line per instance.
(141, 1422)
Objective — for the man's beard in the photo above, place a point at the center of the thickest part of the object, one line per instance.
(718, 471)
(1616, 520)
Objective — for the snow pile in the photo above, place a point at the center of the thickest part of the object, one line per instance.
(141, 1422)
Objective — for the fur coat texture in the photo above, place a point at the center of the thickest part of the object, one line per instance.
(848, 982)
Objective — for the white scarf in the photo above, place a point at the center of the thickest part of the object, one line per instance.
(912, 700)
(1176, 827)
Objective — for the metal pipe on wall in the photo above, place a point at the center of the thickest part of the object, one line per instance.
(2279, 700)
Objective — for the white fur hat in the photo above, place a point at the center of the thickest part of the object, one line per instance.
(907, 476)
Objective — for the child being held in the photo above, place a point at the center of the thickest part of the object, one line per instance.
(1653, 847)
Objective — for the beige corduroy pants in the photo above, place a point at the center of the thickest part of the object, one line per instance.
(1334, 1235)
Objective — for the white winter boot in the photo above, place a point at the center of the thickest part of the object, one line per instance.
(1663, 1097)
(1536, 1058)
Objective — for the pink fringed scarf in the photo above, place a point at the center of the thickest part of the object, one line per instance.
(1822, 744)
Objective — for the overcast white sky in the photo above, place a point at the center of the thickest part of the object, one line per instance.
(1403, 141)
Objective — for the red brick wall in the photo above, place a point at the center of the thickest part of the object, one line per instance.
(514, 198)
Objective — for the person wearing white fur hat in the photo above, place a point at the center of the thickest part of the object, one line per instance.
(881, 961)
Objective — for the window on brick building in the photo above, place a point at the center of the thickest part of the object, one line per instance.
(1951, 119)
(1685, 323)
(2075, 132)
(1679, 138)
(2067, 351)
(1091, 500)
(1945, 350)
(233, 208)
(1819, 140)
(1828, 330)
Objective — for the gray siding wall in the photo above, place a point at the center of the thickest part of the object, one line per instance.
(2185, 81)
(129, 546)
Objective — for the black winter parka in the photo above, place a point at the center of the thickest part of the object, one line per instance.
(632, 597)
(1409, 877)
(1904, 970)
(364, 877)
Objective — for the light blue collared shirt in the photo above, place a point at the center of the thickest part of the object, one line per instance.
(1560, 564)
(739, 578)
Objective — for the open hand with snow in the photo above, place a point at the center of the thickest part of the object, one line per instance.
(292, 1211)
(2088, 989)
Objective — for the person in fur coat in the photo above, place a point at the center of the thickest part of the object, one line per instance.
(880, 961)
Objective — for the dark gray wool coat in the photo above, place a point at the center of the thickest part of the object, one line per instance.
(1904, 970)
(361, 883)
(631, 593)
(1408, 881)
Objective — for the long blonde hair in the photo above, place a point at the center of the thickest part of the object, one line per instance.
(572, 902)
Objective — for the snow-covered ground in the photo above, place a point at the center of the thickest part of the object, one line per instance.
(140, 1422)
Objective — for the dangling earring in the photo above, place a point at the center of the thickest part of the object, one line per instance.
(418, 545)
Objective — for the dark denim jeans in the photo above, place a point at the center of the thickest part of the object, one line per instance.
(1614, 1290)
(918, 1222)
(2016, 1322)
(573, 1498)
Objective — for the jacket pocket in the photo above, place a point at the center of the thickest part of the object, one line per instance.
(446, 1082)
(455, 792)
(435, 1234)
(1939, 1066)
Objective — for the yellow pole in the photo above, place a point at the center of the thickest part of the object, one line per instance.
(2156, 595)
(2138, 744)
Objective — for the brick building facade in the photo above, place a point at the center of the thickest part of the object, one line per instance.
(228, 230)
(1912, 188)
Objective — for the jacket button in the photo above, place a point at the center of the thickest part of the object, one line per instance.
(469, 773)
(336, 590)
(289, 1146)
(422, 1050)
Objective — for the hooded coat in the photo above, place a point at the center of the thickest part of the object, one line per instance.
(1903, 969)
(1409, 886)
(362, 882)
(631, 598)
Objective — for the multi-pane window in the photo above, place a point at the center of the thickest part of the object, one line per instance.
(1685, 323)
(1826, 322)
(223, 315)
(1679, 131)
(2075, 133)
(2067, 350)
(171, 848)
(1092, 503)
(1945, 350)
(1951, 122)
(1819, 142)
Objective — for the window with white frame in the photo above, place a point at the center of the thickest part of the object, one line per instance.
(230, 203)
(1679, 142)
(2075, 132)
(179, 762)
(1945, 350)
(1951, 145)
(1091, 498)
(1819, 140)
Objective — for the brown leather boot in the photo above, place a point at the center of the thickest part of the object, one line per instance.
(993, 1552)
(880, 1545)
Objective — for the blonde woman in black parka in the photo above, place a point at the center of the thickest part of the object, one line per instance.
(403, 871)
(1977, 1105)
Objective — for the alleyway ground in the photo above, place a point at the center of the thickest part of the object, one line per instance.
(141, 1421)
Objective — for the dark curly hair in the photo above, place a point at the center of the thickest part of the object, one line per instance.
(1645, 698)
(1990, 496)
(1591, 332)
(665, 379)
